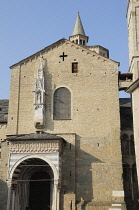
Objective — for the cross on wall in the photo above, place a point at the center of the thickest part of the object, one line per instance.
(63, 56)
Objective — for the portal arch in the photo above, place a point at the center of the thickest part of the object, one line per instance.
(24, 177)
(21, 160)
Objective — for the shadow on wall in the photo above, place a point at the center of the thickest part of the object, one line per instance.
(3, 195)
(77, 174)
(48, 87)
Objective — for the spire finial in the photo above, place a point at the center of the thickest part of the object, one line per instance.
(78, 35)
(78, 28)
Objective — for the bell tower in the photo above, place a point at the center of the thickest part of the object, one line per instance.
(78, 35)
(133, 36)
(133, 89)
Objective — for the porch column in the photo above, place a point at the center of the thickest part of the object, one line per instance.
(11, 195)
(13, 199)
(58, 196)
(9, 183)
(55, 205)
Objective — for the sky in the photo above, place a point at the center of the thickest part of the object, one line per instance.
(30, 25)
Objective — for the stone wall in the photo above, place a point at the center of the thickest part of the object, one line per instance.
(3, 175)
(92, 160)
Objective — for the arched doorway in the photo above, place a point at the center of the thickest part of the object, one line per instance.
(39, 191)
(32, 186)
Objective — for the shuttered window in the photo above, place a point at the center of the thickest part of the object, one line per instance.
(75, 67)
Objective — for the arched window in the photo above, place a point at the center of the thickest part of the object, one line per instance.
(126, 173)
(62, 104)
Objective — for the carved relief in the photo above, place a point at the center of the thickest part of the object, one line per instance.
(39, 85)
(39, 98)
(35, 146)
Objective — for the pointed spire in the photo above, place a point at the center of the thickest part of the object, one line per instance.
(78, 35)
(78, 28)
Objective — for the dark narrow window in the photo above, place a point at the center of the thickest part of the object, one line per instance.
(62, 104)
(132, 146)
(125, 144)
(76, 41)
(75, 67)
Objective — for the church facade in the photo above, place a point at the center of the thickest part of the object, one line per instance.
(61, 148)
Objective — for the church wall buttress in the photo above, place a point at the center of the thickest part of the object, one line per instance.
(14, 101)
(21, 109)
(26, 104)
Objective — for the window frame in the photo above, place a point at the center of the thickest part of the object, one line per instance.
(75, 67)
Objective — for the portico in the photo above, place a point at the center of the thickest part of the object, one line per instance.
(33, 179)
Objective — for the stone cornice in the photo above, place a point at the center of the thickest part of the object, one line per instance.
(31, 146)
(34, 136)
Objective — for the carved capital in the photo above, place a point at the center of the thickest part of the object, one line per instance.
(9, 183)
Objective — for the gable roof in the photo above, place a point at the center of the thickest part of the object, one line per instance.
(34, 136)
(49, 47)
(56, 44)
